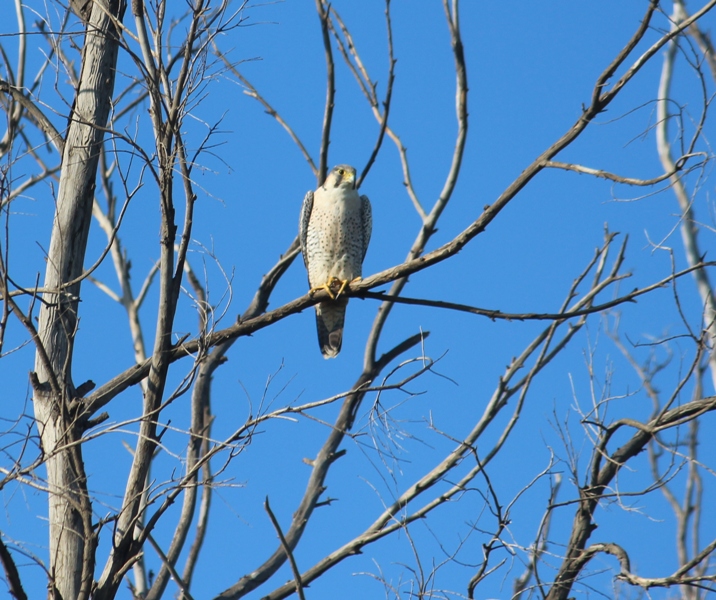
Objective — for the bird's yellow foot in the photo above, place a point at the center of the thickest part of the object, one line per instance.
(334, 287)
(326, 286)
(344, 284)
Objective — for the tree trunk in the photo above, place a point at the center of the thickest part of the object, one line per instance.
(72, 540)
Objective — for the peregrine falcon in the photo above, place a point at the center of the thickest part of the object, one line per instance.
(335, 229)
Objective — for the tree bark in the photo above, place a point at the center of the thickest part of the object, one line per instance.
(72, 540)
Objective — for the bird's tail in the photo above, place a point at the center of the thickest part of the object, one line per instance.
(330, 317)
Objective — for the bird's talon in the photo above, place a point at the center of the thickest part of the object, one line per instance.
(343, 283)
(326, 287)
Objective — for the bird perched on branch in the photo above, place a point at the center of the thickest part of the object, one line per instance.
(335, 229)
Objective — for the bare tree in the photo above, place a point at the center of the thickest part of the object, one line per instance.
(107, 119)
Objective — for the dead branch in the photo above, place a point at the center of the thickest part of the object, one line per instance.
(11, 573)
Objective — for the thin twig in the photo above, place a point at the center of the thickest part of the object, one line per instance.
(321, 7)
(287, 549)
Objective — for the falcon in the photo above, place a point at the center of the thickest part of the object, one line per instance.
(334, 229)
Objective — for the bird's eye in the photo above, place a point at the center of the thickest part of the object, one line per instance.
(341, 171)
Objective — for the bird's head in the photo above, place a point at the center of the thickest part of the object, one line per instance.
(341, 176)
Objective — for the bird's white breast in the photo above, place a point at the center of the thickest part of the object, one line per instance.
(335, 236)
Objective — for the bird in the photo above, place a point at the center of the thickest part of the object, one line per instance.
(334, 230)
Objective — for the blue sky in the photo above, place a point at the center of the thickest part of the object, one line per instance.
(531, 66)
